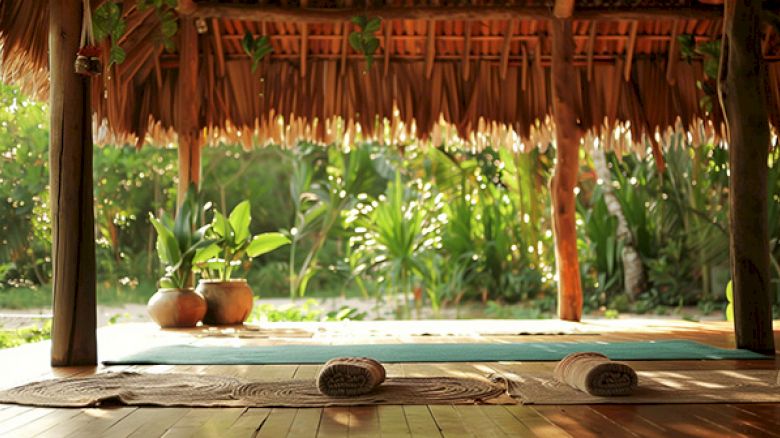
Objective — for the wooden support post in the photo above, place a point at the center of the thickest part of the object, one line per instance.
(742, 93)
(188, 108)
(74, 340)
(567, 135)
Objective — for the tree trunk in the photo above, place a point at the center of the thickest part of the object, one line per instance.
(74, 340)
(633, 271)
(742, 89)
(567, 134)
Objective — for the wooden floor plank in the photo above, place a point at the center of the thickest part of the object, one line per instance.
(334, 422)
(145, 422)
(421, 422)
(278, 423)
(535, 422)
(448, 421)
(392, 421)
(363, 422)
(306, 423)
(478, 423)
(248, 423)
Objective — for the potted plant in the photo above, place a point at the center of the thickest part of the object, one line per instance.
(175, 304)
(229, 300)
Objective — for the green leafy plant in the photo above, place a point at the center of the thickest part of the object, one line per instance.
(710, 54)
(231, 241)
(107, 22)
(166, 13)
(257, 49)
(365, 40)
(178, 241)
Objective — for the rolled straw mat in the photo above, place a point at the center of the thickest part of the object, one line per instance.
(661, 387)
(595, 374)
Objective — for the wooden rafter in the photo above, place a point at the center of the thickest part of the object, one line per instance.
(304, 45)
(523, 67)
(430, 48)
(387, 45)
(591, 45)
(254, 12)
(506, 47)
(631, 45)
(674, 54)
(466, 64)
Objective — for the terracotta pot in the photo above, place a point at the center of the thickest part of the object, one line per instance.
(176, 307)
(228, 302)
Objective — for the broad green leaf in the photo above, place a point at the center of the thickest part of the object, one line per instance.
(372, 25)
(239, 219)
(167, 247)
(204, 254)
(356, 41)
(221, 226)
(265, 243)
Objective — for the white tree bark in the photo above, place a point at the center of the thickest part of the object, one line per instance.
(633, 271)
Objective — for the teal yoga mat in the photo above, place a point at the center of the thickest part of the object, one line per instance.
(529, 351)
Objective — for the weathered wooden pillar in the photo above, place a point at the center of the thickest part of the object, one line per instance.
(188, 107)
(564, 180)
(742, 93)
(74, 341)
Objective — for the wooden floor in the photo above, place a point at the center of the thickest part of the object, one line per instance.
(30, 363)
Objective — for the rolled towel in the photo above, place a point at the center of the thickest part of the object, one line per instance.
(595, 374)
(350, 376)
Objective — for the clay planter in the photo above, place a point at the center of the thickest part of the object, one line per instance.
(176, 308)
(228, 302)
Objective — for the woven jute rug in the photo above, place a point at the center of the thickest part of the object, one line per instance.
(662, 387)
(192, 390)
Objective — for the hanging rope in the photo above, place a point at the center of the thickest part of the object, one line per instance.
(88, 57)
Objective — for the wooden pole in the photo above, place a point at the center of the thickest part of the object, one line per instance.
(188, 108)
(74, 340)
(567, 135)
(742, 91)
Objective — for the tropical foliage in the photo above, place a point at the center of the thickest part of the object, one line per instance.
(410, 226)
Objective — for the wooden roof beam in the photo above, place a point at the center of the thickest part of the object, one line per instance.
(674, 54)
(387, 44)
(430, 49)
(466, 50)
(303, 48)
(591, 44)
(255, 12)
(630, 50)
(505, 48)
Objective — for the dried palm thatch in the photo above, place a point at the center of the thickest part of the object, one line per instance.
(480, 79)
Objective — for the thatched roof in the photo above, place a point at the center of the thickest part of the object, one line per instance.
(475, 70)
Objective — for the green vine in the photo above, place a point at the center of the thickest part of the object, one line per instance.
(108, 22)
(169, 24)
(710, 54)
(257, 49)
(365, 40)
